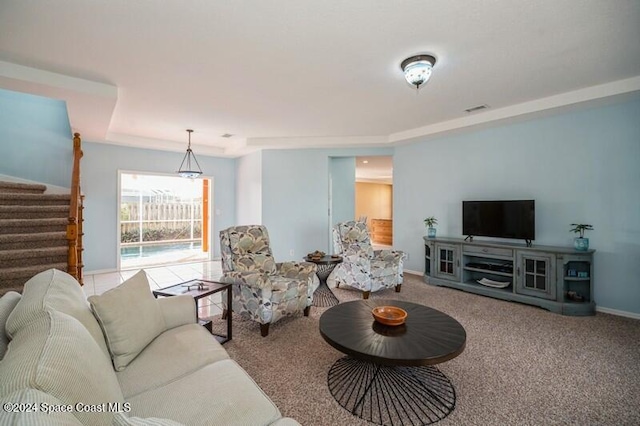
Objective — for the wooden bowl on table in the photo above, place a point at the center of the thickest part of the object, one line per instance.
(389, 315)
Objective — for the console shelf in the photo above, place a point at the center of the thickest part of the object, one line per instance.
(555, 278)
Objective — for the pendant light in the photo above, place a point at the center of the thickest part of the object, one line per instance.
(186, 169)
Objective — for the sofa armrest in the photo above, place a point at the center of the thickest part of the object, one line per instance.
(389, 255)
(296, 270)
(254, 279)
(178, 310)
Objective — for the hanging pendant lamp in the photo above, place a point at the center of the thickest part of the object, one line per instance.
(186, 170)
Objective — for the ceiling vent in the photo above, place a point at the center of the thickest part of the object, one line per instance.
(477, 108)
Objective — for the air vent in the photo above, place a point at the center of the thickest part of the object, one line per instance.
(477, 108)
(227, 135)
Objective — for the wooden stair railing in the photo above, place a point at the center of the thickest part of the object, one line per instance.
(74, 227)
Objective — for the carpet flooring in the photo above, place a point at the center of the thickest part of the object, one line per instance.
(522, 365)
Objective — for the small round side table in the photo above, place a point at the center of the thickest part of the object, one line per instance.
(323, 296)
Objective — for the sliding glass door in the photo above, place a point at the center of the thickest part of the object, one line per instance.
(163, 219)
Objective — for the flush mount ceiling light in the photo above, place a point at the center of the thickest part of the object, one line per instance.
(417, 69)
(186, 170)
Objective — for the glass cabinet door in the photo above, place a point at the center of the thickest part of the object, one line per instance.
(447, 261)
(535, 275)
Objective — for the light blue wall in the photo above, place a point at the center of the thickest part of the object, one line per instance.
(579, 167)
(35, 139)
(295, 198)
(249, 189)
(100, 166)
(342, 171)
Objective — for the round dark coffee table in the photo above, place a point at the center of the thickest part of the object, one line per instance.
(323, 296)
(388, 375)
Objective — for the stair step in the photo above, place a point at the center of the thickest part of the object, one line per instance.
(34, 199)
(15, 278)
(23, 188)
(39, 256)
(27, 226)
(38, 240)
(33, 212)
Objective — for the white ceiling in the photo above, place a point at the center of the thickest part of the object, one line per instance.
(302, 73)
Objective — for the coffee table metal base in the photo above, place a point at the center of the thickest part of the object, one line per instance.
(391, 395)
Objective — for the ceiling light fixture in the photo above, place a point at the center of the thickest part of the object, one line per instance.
(417, 69)
(186, 170)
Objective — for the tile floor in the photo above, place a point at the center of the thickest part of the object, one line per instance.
(164, 276)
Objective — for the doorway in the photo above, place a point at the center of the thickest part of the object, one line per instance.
(362, 188)
(374, 197)
(162, 219)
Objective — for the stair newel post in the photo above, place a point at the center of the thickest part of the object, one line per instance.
(74, 227)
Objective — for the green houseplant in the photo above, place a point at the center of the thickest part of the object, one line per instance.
(429, 222)
(581, 243)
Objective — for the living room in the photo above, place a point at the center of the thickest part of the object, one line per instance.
(573, 147)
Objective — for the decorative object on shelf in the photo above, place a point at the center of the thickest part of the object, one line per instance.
(581, 243)
(429, 222)
(316, 255)
(389, 315)
(574, 296)
(494, 284)
(187, 170)
(417, 69)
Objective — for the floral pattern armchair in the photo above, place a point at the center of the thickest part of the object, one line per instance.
(262, 289)
(364, 268)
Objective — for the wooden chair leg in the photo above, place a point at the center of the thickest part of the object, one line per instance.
(224, 314)
(398, 287)
(307, 310)
(264, 330)
(365, 294)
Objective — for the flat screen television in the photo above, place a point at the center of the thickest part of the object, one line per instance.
(502, 219)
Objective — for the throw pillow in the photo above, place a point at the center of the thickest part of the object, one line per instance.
(130, 318)
(7, 303)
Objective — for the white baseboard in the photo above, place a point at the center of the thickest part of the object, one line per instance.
(99, 271)
(409, 271)
(618, 312)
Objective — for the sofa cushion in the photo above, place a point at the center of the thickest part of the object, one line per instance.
(33, 398)
(7, 303)
(173, 354)
(55, 354)
(130, 318)
(57, 290)
(121, 419)
(220, 393)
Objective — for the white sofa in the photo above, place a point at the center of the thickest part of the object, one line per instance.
(57, 358)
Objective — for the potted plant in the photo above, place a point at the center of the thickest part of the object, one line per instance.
(429, 222)
(581, 243)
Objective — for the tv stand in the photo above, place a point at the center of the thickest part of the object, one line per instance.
(559, 279)
(469, 238)
(528, 242)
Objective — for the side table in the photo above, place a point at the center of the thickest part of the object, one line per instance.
(323, 296)
(199, 289)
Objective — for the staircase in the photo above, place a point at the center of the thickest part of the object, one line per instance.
(33, 233)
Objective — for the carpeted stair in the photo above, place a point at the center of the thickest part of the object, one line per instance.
(32, 233)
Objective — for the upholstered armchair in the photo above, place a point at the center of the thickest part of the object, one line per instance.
(262, 289)
(364, 268)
